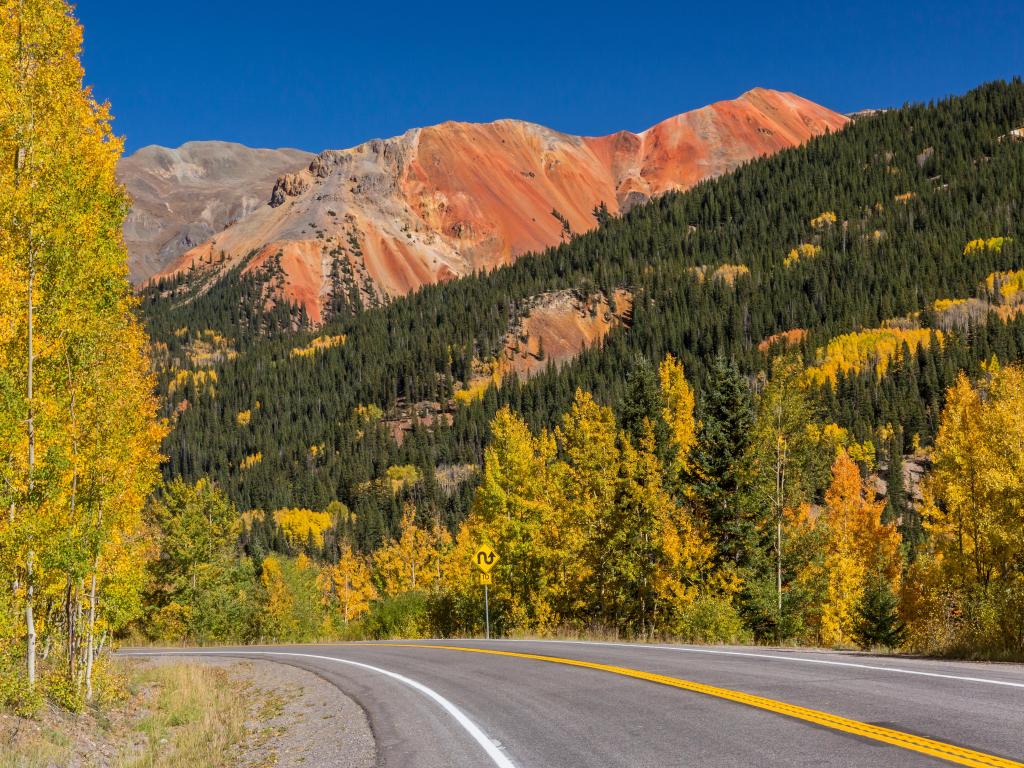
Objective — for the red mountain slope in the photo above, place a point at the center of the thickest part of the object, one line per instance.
(444, 201)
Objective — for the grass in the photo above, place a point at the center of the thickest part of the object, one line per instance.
(181, 716)
(197, 717)
(43, 748)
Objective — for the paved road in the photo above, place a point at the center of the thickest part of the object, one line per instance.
(640, 706)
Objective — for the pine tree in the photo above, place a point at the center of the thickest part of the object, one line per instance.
(878, 620)
(643, 410)
(726, 416)
(896, 494)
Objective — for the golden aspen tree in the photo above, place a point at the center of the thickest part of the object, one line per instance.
(515, 501)
(979, 454)
(350, 584)
(857, 545)
(303, 526)
(67, 315)
(659, 559)
(410, 562)
(582, 520)
(974, 510)
(679, 404)
(782, 454)
(278, 620)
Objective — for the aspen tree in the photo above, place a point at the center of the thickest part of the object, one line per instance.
(71, 348)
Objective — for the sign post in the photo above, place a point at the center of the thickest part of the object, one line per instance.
(485, 558)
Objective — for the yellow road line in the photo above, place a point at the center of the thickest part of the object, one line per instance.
(948, 752)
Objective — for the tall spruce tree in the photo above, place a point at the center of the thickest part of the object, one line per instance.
(643, 409)
(896, 492)
(725, 416)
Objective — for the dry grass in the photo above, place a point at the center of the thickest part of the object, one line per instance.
(180, 716)
(39, 748)
(197, 717)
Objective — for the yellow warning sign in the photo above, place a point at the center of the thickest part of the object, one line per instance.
(485, 558)
(486, 578)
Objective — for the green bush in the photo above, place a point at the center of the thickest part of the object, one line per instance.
(393, 618)
(63, 692)
(711, 620)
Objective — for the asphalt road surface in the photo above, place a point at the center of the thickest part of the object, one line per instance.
(537, 704)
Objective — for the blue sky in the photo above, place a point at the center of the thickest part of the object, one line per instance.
(316, 74)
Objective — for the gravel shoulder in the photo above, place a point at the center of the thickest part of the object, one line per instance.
(299, 720)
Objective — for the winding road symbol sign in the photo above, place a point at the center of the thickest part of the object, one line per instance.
(485, 558)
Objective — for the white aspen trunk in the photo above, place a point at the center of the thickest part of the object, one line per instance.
(20, 155)
(30, 621)
(69, 619)
(30, 587)
(91, 643)
(778, 570)
(79, 592)
(89, 649)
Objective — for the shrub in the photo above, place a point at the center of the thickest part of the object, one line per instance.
(712, 620)
(393, 618)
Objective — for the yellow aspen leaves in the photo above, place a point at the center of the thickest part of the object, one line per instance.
(825, 219)
(319, 344)
(302, 526)
(410, 562)
(991, 244)
(864, 350)
(727, 273)
(802, 252)
(401, 476)
(1006, 285)
(678, 411)
(348, 585)
(251, 460)
(857, 544)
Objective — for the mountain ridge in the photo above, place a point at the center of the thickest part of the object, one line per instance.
(184, 195)
(360, 225)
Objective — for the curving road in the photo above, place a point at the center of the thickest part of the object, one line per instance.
(551, 704)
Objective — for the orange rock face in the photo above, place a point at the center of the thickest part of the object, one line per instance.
(445, 201)
(558, 327)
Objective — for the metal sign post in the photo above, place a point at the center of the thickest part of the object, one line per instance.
(487, 615)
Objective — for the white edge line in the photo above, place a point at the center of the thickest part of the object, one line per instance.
(499, 758)
(797, 659)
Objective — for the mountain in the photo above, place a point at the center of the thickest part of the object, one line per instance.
(183, 197)
(888, 255)
(384, 218)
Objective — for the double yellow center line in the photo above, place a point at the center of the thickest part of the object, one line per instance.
(941, 750)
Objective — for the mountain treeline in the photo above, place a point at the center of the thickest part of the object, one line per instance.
(857, 230)
(748, 518)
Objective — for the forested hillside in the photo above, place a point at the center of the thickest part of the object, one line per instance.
(866, 227)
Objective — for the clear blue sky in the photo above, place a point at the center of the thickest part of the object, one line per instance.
(317, 74)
